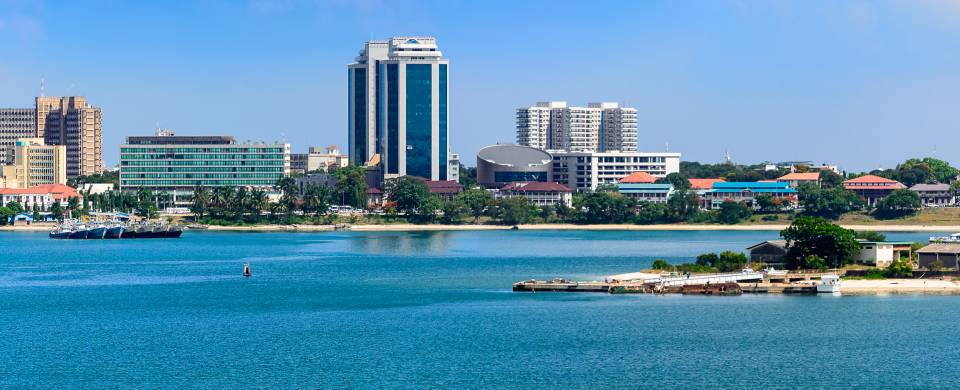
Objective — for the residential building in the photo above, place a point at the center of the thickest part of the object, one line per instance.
(176, 165)
(947, 254)
(936, 195)
(872, 188)
(498, 165)
(882, 254)
(538, 193)
(801, 166)
(795, 179)
(585, 171)
(771, 252)
(599, 127)
(397, 107)
(71, 121)
(34, 164)
(325, 159)
(453, 167)
(646, 192)
(42, 196)
(638, 178)
(746, 192)
(15, 123)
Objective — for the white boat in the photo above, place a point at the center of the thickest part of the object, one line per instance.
(829, 284)
(774, 272)
(955, 237)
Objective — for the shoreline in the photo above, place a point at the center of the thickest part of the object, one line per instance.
(613, 227)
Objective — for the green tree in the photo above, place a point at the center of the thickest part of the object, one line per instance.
(678, 180)
(258, 202)
(351, 187)
(477, 201)
(682, 205)
(15, 206)
(914, 172)
(468, 177)
(454, 211)
(871, 236)
(899, 269)
(830, 179)
(200, 202)
(942, 170)
(412, 198)
(604, 207)
(652, 213)
(827, 202)
(6, 214)
(315, 199)
(732, 212)
(514, 211)
(819, 237)
(56, 209)
(661, 264)
(729, 261)
(899, 203)
(708, 259)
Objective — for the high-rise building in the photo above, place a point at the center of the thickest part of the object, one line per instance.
(398, 107)
(34, 164)
(15, 123)
(599, 127)
(176, 165)
(72, 122)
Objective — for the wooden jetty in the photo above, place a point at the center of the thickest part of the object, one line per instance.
(706, 284)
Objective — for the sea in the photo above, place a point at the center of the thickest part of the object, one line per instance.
(436, 310)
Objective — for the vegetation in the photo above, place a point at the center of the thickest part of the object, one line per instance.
(816, 243)
(732, 212)
(871, 236)
(106, 177)
(898, 204)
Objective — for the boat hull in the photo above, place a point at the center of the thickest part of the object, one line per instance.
(96, 233)
(114, 232)
(60, 235)
(173, 233)
(79, 234)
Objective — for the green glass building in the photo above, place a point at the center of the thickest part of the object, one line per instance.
(176, 165)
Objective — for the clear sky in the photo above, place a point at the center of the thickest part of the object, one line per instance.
(860, 84)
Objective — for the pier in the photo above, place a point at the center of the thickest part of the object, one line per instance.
(709, 284)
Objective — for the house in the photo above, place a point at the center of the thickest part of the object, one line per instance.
(646, 192)
(771, 252)
(794, 180)
(703, 184)
(538, 193)
(936, 195)
(946, 253)
(374, 198)
(638, 178)
(445, 189)
(872, 188)
(42, 196)
(882, 254)
(746, 192)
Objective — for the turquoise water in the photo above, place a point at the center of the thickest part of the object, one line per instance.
(435, 310)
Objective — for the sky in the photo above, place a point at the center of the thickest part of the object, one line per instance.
(862, 84)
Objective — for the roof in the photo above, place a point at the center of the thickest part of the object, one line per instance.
(806, 176)
(750, 185)
(536, 186)
(374, 190)
(896, 243)
(776, 243)
(872, 182)
(59, 191)
(950, 248)
(704, 183)
(644, 187)
(638, 177)
(514, 155)
(443, 186)
(931, 187)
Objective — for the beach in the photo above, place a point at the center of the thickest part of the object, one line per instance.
(899, 286)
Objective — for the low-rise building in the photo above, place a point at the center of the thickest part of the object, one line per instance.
(325, 159)
(771, 252)
(936, 195)
(638, 178)
(539, 193)
(646, 192)
(585, 171)
(947, 254)
(796, 179)
(445, 189)
(43, 196)
(872, 188)
(882, 254)
(746, 192)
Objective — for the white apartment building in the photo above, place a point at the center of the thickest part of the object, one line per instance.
(585, 171)
(599, 127)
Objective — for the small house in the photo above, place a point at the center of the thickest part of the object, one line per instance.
(947, 254)
(772, 252)
(882, 254)
(935, 195)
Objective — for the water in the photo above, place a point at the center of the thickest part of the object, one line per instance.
(422, 310)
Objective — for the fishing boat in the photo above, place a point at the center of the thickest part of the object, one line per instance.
(128, 232)
(79, 232)
(142, 231)
(114, 231)
(829, 284)
(96, 232)
(173, 231)
(157, 231)
(61, 232)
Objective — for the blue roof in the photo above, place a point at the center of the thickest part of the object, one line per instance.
(756, 190)
(751, 185)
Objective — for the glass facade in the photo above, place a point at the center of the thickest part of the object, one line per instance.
(393, 111)
(443, 121)
(359, 134)
(508, 177)
(419, 119)
(183, 167)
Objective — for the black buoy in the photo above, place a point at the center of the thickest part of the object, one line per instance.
(246, 270)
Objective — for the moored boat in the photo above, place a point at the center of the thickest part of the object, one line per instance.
(173, 231)
(953, 238)
(96, 232)
(61, 232)
(114, 231)
(829, 284)
(79, 232)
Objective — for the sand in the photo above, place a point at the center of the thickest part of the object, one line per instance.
(899, 286)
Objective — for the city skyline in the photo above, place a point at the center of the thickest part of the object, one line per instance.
(838, 81)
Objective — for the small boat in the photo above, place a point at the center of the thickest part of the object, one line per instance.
(114, 231)
(173, 231)
(246, 270)
(951, 238)
(829, 284)
(96, 232)
(197, 226)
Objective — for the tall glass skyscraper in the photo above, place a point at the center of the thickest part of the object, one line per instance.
(398, 107)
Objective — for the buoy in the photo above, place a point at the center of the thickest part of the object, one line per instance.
(246, 270)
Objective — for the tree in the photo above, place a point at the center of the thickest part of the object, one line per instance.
(766, 203)
(899, 203)
(827, 202)
(477, 201)
(604, 207)
(818, 237)
(258, 202)
(651, 213)
(830, 179)
(454, 211)
(732, 212)
(729, 261)
(708, 259)
(15, 206)
(661, 264)
(57, 210)
(351, 187)
(200, 202)
(315, 199)
(899, 269)
(871, 236)
(514, 211)
(6, 214)
(412, 198)
(468, 176)
(942, 170)
(935, 266)
(682, 205)
(914, 171)
(677, 179)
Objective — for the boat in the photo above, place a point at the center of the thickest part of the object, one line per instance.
(829, 284)
(197, 226)
(79, 232)
(128, 232)
(157, 231)
(142, 231)
(61, 232)
(96, 232)
(173, 231)
(114, 231)
(246, 270)
(955, 237)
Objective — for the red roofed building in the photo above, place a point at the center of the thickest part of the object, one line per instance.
(872, 188)
(43, 196)
(638, 178)
(796, 179)
(539, 193)
(445, 189)
(704, 184)
(374, 198)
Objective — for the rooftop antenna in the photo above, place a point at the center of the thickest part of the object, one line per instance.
(726, 157)
(41, 86)
(667, 146)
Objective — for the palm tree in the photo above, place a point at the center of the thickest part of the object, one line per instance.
(258, 201)
(315, 199)
(201, 202)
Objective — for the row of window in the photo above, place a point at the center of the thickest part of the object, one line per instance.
(200, 176)
(203, 169)
(201, 150)
(161, 163)
(195, 182)
(201, 156)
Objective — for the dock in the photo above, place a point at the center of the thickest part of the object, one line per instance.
(732, 283)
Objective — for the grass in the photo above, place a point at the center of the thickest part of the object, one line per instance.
(938, 216)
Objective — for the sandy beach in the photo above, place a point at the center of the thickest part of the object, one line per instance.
(899, 286)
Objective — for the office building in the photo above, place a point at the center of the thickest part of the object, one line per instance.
(498, 165)
(176, 165)
(599, 127)
(15, 123)
(326, 159)
(34, 164)
(585, 171)
(453, 167)
(397, 107)
(71, 121)
(298, 163)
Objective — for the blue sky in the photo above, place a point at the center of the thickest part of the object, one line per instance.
(860, 84)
